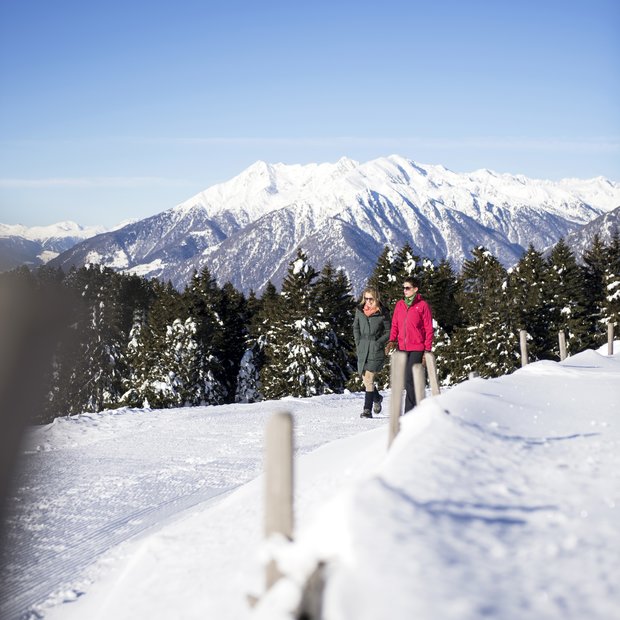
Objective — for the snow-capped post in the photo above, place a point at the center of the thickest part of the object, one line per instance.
(278, 483)
(397, 385)
(562, 341)
(610, 338)
(523, 341)
(419, 382)
(431, 366)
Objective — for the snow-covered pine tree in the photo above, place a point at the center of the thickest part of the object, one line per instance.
(138, 362)
(567, 292)
(235, 313)
(596, 260)
(610, 308)
(385, 277)
(261, 312)
(489, 343)
(409, 266)
(203, 300)
(296, 338)
(152, 380)
(440, 289)
(531, 308)
(90, 362)
(335, 305)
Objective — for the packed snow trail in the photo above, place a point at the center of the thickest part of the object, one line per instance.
(498, 499)
(89, 482)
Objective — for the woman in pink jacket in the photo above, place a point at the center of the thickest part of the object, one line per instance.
(412, 332)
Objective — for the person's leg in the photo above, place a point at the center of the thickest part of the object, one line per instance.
(413, 357)
(369, 385)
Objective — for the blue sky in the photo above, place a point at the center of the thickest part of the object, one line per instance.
(117, 110)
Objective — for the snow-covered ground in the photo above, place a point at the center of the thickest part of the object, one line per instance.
(498, 499)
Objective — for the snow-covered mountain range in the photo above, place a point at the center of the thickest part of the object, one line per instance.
(36, 245)
(248, 229)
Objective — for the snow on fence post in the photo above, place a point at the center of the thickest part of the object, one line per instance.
(278, 483)
(523, 341)
(431, 365)
(397, 384)
(419, 382)
(610, 338)
(562, 342)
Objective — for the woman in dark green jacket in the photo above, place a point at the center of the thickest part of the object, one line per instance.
(371, 329)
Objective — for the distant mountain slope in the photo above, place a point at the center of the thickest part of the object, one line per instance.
(35, 246)
(248, 229)
(604, 226)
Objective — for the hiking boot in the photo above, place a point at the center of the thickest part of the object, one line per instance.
(378, 399)
(367, 413)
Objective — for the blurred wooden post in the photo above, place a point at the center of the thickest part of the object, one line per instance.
(397, 384)
(610, 338)
(419, 383)
(431, 366)
(523, 341)
(278, 483)
(562, 341)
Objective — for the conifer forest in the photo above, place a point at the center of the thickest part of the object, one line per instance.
(127, 341)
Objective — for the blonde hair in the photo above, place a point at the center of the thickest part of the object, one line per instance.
(374, 292)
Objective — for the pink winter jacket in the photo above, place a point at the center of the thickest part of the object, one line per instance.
(413, 326)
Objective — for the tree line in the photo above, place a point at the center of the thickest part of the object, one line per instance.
(131, 341)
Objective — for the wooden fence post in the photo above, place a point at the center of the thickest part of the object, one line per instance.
(419, 383)
(278, 483)
(523, 341)
(431, 366)
(562, 341)
(397, 384)
(610, 338)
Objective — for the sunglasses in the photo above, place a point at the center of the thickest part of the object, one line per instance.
(407, 288)
(369, 298)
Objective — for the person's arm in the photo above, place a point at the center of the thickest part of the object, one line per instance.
(394, 328)
(385, 332)
(356, 328)
(427, 317)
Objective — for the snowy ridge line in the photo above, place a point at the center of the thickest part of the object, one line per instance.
(26, 597)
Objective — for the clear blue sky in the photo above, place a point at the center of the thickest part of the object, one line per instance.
(116, 110)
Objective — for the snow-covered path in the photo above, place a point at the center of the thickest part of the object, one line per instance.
(93, 481)
(498, 499)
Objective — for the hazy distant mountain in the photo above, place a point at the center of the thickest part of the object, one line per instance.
(35, 246)
(248, 229)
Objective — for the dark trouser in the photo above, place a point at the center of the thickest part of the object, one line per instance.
(413, 357)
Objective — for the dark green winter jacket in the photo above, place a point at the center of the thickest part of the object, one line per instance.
(371, 335)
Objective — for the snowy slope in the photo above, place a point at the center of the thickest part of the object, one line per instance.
(36, 245)
(248, 229)
(498, 499)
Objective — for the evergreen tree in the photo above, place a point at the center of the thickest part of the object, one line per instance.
(441, 288)
(610, 307)
(235, 316)
(488, 343)
(296, 339)
(152, 379)
(204, 301)
(596, 260)
(261, 312)
(409, 266)
(385, 277)
(89, 364)
(335, 306)
(531, 309)
(567, 294)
